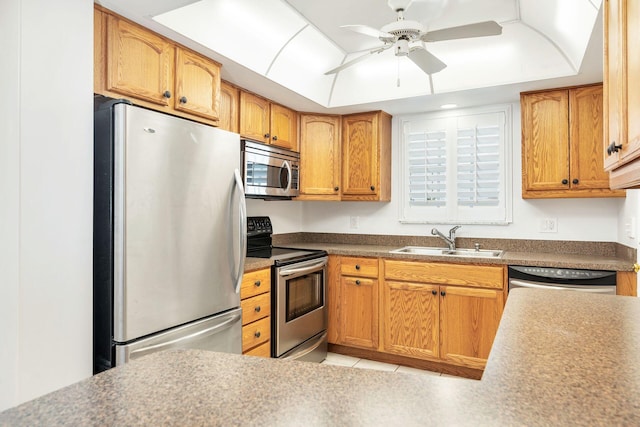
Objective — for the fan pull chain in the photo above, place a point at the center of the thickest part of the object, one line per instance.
(398, 81)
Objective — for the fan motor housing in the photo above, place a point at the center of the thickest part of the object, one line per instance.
(410, 29)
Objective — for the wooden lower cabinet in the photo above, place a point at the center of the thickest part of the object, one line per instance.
(446, 311)
(359, 302)
(469, 319)
(411, 321)
(255, 300)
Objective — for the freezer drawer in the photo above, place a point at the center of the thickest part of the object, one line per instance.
(222, 332)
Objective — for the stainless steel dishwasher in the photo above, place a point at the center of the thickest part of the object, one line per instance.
(562, 279)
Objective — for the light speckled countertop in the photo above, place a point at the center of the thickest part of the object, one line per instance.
(573, 361)
(510, 257)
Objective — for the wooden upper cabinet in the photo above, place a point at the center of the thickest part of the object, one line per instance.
(267, 122)
(562, 144)
(229, 107)
(284, 127)
(140, 63)
(320, 157)
(622, 92)
(254, 117)
(366, 156)
(545, 139)
(197, 84)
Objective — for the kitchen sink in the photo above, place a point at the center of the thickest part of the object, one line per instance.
(425, 250)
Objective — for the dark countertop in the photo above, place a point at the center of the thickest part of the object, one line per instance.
(510, 257)
(573, 360)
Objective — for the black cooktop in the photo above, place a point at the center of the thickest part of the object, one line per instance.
(259, 245)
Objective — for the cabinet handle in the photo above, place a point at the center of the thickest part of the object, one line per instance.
(267, 135)
(613, 148)
(575, 181)
(357, 266)
(565, 181)
(275, 137)
(434, 292)
(257, 283)
(373, 188)
(443, 293)
(336, 188)
(166, 94)
(358, 282)
(257, 334)
(183, 100)
(257, 309)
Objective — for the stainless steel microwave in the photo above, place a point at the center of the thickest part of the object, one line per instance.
(269, 172)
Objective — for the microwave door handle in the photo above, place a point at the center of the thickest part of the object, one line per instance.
(242, 234)
(284, 272)
(287, 165)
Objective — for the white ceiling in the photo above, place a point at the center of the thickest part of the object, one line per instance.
(281, 49)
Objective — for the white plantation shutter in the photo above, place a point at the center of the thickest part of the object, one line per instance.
(455, 167)
(427, 156)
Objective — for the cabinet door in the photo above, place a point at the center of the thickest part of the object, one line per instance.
(229, 103)
(197, 85)
(632, 79)
(359, 312)
(320, 157)
(587, 168)
(614, 81)
(254, 117)
(139, 63)
(284, 127)
(360, 162)
(545, 141)
(469, 319)
(410, 319)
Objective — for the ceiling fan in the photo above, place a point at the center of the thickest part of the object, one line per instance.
(407, 38)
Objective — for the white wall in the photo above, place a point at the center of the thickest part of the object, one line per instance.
(578, 219)
(46, 190)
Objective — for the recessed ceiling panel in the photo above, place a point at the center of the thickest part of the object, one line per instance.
(249, 32)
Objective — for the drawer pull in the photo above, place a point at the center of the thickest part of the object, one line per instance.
(257, 334)
(358, 282)
(257, 309)
(357, 266)
(257, 283)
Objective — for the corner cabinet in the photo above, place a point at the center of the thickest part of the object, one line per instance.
(562, 144)
(622, 92)
(320, 157)
(366, 157)
(267, 122)
(133, 62)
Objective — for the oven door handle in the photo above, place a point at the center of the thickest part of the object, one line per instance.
(284, 272)
(535, 285)
(306, 350)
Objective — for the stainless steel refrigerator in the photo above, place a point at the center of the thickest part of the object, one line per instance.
(169, 234)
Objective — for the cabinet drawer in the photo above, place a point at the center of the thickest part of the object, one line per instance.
(445, 274)
(255, 308)
(255, 283)
(367, 267)
(256, 333)
(263, 350)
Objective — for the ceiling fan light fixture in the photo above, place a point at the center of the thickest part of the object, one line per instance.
(402, 47)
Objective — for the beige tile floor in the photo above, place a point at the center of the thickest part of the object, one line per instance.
(354, 362)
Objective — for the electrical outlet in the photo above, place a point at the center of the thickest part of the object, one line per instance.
(354, 222)
(630, 227)
(548, 225)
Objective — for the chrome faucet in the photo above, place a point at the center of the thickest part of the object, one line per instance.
(451, 240)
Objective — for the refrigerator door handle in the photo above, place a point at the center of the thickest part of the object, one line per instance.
(242, 231)
(170, 344)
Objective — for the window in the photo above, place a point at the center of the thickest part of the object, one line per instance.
(456, 167)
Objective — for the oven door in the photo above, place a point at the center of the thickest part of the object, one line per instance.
(300, 309)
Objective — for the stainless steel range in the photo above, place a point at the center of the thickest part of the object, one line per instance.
(298, 295)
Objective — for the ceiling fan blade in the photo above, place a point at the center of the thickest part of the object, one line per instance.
(428, 62)
(358, 59)
(369, 31)
(479, 29)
